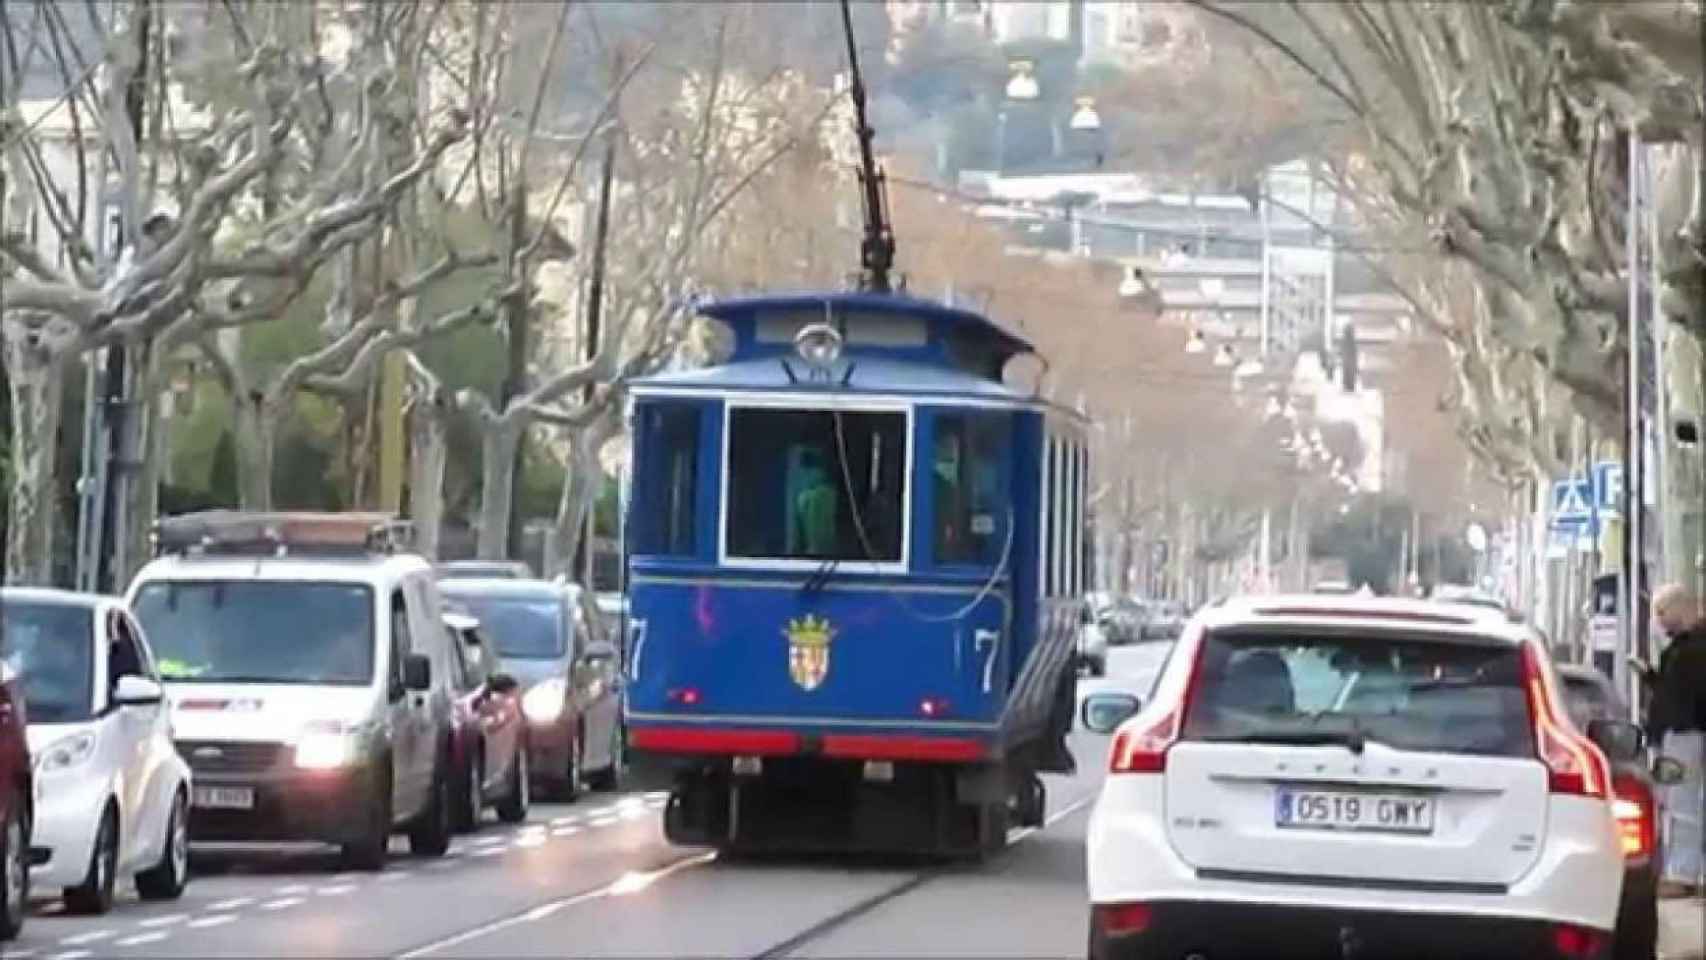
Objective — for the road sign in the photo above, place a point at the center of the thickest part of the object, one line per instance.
(1571, 503)
(1608, 486)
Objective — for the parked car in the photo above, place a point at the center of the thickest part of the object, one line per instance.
(310, 672)
(1166, 620)
(1330, 776)
(1092, 644)
(489, 735)
(485, 569)
(113, 792)
(17, 780)
(1595, 706)
(550, 638)
(1123, 622)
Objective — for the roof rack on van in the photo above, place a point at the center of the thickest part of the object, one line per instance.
(256, 534)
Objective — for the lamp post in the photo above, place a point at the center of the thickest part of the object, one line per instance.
(1022, 87)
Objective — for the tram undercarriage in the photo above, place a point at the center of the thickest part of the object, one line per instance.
(816, 805)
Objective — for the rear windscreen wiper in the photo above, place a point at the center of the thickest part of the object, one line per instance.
(1353, 740)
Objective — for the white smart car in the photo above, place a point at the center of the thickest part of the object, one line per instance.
(111, 791)
(1333, 776)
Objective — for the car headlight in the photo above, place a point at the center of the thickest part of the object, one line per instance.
(544, 703)
(328, 746)
(66, 753)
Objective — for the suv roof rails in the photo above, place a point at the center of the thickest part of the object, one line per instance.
(237, 533)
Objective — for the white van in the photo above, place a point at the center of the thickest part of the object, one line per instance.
(309, 674)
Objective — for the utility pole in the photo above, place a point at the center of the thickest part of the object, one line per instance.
(876, 251)
(119, 406)
(595, 308)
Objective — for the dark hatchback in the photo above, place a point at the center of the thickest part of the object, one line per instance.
(1592, 698)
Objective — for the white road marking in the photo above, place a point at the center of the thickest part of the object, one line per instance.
(565, 821)
(601, 821)
(658, 795)
(393, 876)
(19, 954)
(658, 804)
(489, 852)
(292, 888)
(93, 936)
(635, 813)
(488, 841)
(217, 920)
(283, 903)
(70, 955)
(165, 921)
(531, 840)
(336, 889)
(141, 939)
(231, 904)
(625, 884)
(565, 831)
(1019, 833)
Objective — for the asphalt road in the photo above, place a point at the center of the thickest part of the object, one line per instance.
(596, 879)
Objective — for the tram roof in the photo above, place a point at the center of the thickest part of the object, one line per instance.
(866, 376)
(940, 320)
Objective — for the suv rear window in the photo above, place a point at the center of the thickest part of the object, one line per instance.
(1405, 691)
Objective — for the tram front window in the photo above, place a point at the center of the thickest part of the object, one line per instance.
(816, 485)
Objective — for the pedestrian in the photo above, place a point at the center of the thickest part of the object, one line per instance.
(1676, 722)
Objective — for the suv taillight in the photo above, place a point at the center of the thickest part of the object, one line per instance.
(1637, 826)
(1145, 751)
(1574, 764)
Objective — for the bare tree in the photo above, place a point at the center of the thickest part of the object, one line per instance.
(225, 226)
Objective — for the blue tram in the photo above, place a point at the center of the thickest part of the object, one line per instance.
(856, 559)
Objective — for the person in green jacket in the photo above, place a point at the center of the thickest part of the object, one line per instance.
(814, 514)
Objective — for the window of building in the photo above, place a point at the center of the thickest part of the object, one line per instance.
(816, 485)
(969, 497)
(668, 481)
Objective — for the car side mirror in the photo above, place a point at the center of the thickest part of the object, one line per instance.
(417, 672)
(502, 683)
(1620, 739)
(1669, 771)
(1104, 712)
(598, 650)
(134, 691)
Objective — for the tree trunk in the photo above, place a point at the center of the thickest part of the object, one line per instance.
(143, 492)
(581, 484)
(426, 477)
(256, 429)
(34, 378)
(498, 446)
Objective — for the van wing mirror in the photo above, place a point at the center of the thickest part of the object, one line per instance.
(417, 672)
(1669, 771)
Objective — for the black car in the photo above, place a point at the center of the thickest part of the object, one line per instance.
(1592, 698)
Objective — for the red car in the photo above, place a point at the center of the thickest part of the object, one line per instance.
(488, 733)
(17, 794)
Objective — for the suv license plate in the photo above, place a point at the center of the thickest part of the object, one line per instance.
(225, 798)
(1344, 810)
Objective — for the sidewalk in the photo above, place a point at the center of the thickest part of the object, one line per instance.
(1682, 929)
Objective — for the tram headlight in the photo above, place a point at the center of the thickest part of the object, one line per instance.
(818, 344)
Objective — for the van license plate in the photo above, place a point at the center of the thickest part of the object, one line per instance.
(225, 798)
(1341, 810)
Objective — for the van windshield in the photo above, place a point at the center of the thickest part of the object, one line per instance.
(1406, 692)
(52, 646)
(259, 631)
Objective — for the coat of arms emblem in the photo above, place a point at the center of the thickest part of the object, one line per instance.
(808, 650)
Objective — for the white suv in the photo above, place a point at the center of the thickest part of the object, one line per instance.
(1337, 777)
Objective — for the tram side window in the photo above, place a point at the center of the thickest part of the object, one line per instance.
(670, 481)
(816, 485)
(970, 502)
(1051, 516)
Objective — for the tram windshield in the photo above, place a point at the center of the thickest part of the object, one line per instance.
(816, 485)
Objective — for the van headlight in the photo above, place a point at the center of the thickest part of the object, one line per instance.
(66, 753)
(329, 746)
(544, 703)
